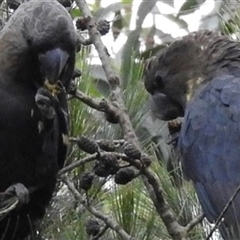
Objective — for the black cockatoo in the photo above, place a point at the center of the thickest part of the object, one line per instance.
(37, 56)
(198, 77)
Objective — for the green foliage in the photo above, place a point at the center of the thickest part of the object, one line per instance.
(82, 117)
(189, 5)
(127, 1)
(134, 211)
(70, 226)
(134, 92)
(183, 199)
(75, 12)
(232, 26)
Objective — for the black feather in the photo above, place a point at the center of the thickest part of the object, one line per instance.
(32, 149)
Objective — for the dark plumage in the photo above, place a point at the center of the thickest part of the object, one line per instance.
(37, 53)
(200, 77)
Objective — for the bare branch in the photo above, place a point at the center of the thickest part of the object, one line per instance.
(194, 222)
(107, 220)
(111, 112)
(78, 163)
(117, 142)
(90, 158)
(164, 210)
(91, 102)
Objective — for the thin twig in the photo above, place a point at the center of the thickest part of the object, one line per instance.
(102, 183)
(91, 158)
(100, 105)
(115, 142)
(78, 163)
(219, 219)
(107, 220)
(194, 222)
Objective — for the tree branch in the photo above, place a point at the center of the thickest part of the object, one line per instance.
(91, 102)
(116, 96)
(90, 158)
(109, 222)
(78, 163)
(194, 222)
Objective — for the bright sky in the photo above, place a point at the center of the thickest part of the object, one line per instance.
(162, 23)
